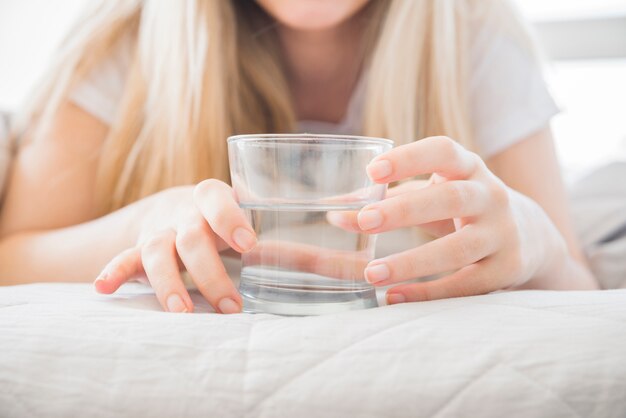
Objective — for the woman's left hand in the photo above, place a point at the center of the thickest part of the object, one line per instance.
(497, 238)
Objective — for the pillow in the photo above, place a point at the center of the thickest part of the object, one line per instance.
(598, 204)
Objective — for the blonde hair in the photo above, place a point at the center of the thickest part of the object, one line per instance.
(204, 70)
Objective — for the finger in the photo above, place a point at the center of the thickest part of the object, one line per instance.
(439, 229)
(218, 205)
(196, 248)
(451, 199)
(124, 267)
(346, 220)
(309, 258)
(439, 155)
(160, 263)
(343, 265)
(355, 197)
(407, 186)
(454, 251)
(475, 279)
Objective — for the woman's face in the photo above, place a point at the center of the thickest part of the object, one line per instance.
(311, 14)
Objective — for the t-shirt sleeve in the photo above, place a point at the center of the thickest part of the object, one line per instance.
(101, 91)
(509, 98)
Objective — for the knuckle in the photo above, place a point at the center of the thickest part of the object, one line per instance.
(457, 196)
(207, 184)
(188, 237)
(206, 187)
(115, 267)
(215, 285)
(163, 285)
(499, 195)
(476, 160)
(118, 259)
(219, 219)
(480, 162)
(448, 146)
(156, 243)
(120, 264)
(205, 283)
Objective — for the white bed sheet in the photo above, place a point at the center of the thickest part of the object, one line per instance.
(66, 351)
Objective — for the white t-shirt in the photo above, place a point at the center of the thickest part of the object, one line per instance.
(509, 99)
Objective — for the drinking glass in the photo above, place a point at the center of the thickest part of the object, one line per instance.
(291, 187)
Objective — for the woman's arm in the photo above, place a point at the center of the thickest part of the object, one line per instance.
(70, 254)
(49, 230)
(53, 177)
(531, 167)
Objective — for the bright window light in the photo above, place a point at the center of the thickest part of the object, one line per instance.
(555, 10)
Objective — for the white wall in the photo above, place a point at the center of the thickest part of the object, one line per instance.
(29, 32)
(591, 129)
(558, 10)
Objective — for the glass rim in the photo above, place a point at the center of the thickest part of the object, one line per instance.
(285, 137)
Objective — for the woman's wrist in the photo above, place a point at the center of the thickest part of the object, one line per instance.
(556, 269)
(74, 253)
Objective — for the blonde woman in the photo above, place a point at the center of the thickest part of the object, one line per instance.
(122, 168)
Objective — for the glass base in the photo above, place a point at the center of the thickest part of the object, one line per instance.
(264, 297)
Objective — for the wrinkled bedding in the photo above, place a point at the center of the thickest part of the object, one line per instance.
(66, 351)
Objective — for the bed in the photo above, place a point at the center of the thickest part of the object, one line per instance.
(66, 351)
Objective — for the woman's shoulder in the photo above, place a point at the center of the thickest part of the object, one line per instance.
(509, 98)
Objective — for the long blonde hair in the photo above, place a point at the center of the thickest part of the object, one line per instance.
(204, 70)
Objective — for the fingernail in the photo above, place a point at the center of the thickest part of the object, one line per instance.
(101, 278)
(394, 298)
(175, 304)
(335, 217)
(377, 273)
(244, 239)
(98, 282)
(228, 306)
(379, 169)
(370, 219)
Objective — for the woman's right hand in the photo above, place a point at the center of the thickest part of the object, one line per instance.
(184, 228)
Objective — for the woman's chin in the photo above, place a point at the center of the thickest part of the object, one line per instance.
(312, 15)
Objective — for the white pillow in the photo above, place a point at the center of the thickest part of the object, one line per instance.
(598, 207)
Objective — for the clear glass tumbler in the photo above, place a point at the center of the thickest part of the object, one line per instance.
(289, 187)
